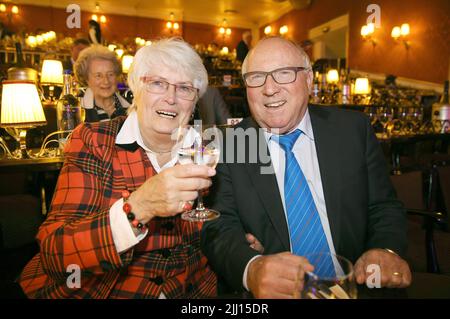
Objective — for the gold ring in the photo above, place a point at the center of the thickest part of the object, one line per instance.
(396, 273)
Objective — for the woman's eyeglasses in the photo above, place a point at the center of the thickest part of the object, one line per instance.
(182, 91)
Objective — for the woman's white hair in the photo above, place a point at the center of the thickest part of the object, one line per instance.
(303, 56)
(173, 53)
(94, 52)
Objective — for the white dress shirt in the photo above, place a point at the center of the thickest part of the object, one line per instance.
(305, 152)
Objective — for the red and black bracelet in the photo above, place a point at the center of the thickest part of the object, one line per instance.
(130, 215)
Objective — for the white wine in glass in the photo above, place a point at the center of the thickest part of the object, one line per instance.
(199, 145)
(208, 157)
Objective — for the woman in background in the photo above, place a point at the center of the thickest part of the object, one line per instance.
(99, 70)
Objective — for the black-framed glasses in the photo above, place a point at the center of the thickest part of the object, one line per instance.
(281, 76)
(182, 91)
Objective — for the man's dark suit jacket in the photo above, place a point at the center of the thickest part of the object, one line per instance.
(362, 208)
(241, 51)
(212, 108)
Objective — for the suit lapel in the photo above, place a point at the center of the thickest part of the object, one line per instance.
(267, 188)
(327, 147)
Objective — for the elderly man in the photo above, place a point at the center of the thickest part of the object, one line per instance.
(325, 158)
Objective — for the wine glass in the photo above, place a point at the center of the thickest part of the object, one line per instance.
(201, 145)
(339, 283)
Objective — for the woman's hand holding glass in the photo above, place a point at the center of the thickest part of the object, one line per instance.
(201, 145)
(167, 193)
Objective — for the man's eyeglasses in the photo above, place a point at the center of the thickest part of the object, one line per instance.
(281, 76)
(182, 91)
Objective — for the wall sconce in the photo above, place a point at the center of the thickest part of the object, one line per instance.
(52, 79)
(95, 15)
(95, 18)
(172, 25)
(401, 33)
(284, 29)
(127, 60)
(268, 30)
(21, 110)
(367, 32)
(10, 11)
(224, 30)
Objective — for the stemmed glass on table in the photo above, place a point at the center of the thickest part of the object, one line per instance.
(201, 145)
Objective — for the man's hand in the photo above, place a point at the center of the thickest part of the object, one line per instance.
(277, 276)
(395, 272)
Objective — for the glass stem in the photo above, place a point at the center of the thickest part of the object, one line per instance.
(200, 201)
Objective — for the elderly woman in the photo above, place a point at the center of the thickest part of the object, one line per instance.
(98, 69)
(114, 229)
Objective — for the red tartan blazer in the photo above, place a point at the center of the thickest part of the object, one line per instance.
(77, 231)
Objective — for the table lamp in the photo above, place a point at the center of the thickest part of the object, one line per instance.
(21, 109)
(362, 91)
(52, 79)
(127, 60)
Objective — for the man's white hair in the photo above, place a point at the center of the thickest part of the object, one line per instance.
(303, 56)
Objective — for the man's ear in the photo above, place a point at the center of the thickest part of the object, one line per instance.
(309, 80)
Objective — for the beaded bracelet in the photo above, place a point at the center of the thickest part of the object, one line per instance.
(130, 215)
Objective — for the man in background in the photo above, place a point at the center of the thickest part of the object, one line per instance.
(78, 46)
(212, 108)
(244, 46)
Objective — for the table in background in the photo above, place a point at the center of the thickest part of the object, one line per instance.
(42, 174)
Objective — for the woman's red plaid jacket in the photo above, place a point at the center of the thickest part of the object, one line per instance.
(77, 231)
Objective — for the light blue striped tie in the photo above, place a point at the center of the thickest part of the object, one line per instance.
(305, 227)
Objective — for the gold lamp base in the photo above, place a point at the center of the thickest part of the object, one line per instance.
(20, 135)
